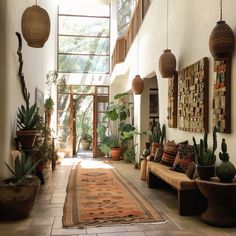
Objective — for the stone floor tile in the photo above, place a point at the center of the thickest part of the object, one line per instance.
(57, 200)
(42, 230)
(123, 234)
(15, 231)
(157, 233)
(97, 230)
(57, 224)
(70, 231)
(43, 220)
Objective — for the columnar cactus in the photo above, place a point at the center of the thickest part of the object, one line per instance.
(224, 156)
(205, 155)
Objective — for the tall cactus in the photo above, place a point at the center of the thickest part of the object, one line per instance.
(224, 156)
(205, 155)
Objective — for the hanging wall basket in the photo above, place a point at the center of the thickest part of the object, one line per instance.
(35, 26)
(167, 64)
(137, 85)
(221, 41)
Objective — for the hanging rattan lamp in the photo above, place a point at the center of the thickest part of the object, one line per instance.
(221, 41)
(167, 60)
(35, 26)
(137, 82)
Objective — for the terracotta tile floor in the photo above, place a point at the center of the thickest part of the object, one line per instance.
(46, 216)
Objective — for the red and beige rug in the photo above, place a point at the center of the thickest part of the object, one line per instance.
(97, 195)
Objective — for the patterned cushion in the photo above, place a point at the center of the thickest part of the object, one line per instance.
(185, 156)
(158, 154)
(169, 154)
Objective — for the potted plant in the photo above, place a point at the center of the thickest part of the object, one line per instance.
(48, 105)
(226, 170)
(85, 136)
(28, 119)
(205, 157)
(116, 115)
(18, 193)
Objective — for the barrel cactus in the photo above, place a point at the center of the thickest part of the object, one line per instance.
(226, 170)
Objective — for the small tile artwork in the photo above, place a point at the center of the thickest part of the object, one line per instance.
(193, 97)
(221, 97)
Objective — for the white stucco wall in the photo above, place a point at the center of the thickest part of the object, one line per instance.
(190, 25)
(37, 62)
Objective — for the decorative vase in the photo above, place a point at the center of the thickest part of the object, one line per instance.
(137, 85)
(167, 64)
(221, 41)
(146, 150)
(225, 171)
(205, 172)
(35, 26)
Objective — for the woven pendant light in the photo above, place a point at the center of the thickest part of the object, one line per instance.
(221, 41)
(167, 61)
(35, 26)
(137, 85)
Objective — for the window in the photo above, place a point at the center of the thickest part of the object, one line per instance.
(84, 39)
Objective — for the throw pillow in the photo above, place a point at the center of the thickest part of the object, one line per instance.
(158, 154)
(170, 152)
(191, 171)
(184, 157)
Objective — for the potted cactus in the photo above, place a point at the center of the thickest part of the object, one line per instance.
(18, 193)
(205, 157)
(226, 170)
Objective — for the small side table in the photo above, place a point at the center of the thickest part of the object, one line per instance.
(221, 197)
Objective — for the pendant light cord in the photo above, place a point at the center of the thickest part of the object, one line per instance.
(36, 2)
(137, 51)
(220, 10)
(167, 23)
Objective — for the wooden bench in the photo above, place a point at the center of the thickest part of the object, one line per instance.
(190, 199)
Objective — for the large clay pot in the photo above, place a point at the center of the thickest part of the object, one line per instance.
(27, 138)
(205, 172)
(17, 200)
(137, 85)
(85, 144)
(116, 153)
(225, 171)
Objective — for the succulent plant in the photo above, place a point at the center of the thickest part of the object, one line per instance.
(23, 167)
(28, 117)
(205, 155)
(224, 156)
(159, 134)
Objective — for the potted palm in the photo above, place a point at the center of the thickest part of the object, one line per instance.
(205, 157)
(85, 136)
(28, 119)
(18, 193)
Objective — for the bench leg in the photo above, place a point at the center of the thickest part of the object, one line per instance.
(191, 202)
(154, 182)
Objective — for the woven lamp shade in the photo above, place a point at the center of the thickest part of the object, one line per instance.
(167, 64)
(137, 85)
(221, 41)
(35, 26)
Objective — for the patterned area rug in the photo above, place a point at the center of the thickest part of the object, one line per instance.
(97, 195)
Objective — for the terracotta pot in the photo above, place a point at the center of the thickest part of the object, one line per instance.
(137, 85)
(27, 138)
(116, 153)
(17, 200)
(167, 64)
(221, 41)
(85, 144)
(35, 26)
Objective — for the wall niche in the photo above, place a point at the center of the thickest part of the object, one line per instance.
(193, 97)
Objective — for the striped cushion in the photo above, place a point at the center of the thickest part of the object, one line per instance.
(185, 156)
(170, 152)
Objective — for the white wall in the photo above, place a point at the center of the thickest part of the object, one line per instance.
(37, 62)
(190, 25)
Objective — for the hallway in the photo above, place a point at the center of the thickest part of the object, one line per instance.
(46, 216)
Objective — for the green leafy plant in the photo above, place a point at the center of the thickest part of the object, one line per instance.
(48, 105)
(23, 167)
(206, 156)
(28, 117)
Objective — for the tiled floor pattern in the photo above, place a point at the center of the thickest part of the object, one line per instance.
(46, 216)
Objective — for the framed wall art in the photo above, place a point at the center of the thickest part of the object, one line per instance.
(193, 97)
(172, 101)
(222, 96)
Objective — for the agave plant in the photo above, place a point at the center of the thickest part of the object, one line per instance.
(28, 117)
(23, 167)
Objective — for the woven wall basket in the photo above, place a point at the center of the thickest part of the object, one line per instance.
(167, 64)
(35, 26)
(221, 41)
(137, 85)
